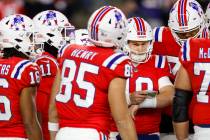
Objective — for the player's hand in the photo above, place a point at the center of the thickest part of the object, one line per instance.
(138, 97)
(133, 110)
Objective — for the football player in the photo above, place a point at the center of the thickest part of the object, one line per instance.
(193, 78)
(150, 80)
(186, 19)
(52, 30)
(18, 80)
(91, 84)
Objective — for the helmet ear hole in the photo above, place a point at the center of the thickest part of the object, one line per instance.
(110, 21)
(7, 22)
(50, 35)
(18, 40)
(17, 47)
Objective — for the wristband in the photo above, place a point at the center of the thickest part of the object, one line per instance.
(53, 126)
(149, 103)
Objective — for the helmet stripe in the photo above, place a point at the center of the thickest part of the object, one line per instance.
(185, 12)
(182, 17)
(137, 25)
(96, 19)
(142, 26)
(182, 12)
(179, 18)
(100, 18)
(93, 22)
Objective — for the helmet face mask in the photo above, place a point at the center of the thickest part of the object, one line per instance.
(183, 36)
(17, 31)
(54, 28)
(82, 38)
(68, 33)
(139, 40)
(107, 27)
(186, 17)
(37, 50)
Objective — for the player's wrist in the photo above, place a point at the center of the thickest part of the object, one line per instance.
(52, 126)
(149, 103)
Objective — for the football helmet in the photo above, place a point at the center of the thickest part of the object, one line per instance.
(53, 27)
(186, 16)
(82, 38)
(107, 27)
(16, 31)
(207, 14)
(139, 30)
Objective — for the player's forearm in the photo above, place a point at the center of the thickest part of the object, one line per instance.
(52, 135)
(119, 109)
(181, 130)
(53, 119)
(165, 97)
(127, 129)
(53, 115)
(53, 125)
(33, 131)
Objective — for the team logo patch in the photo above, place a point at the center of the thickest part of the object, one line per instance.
(195, 7)
(18, 23)
(118, 17)
(50, 18)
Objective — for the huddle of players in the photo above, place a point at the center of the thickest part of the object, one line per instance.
(88, 77)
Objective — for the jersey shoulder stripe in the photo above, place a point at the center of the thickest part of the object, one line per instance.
(186, 51)
(112, 61)
(19, 68)
(158, 34)
(160, 61)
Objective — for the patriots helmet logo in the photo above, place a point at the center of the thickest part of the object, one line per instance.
(50, 18)
(196, 7)
(118, 17)
(18, 23)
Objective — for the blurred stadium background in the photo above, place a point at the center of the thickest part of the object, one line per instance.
(78, 11)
